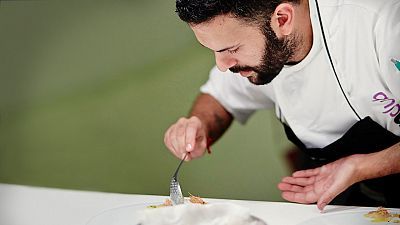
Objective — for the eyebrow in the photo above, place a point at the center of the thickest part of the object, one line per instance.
(222, 50)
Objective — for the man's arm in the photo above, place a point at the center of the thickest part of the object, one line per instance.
(324, 183)
(207, 122)
(213, 115)
(380, 163)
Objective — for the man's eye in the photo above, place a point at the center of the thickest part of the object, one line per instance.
(233, 51)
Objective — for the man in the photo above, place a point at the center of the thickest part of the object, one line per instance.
(329, 70)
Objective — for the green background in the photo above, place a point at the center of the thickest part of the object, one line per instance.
(87, 90)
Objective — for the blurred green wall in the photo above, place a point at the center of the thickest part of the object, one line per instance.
(88, 89)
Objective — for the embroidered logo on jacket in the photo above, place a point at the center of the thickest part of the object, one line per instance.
(392, 108)
(396, 63)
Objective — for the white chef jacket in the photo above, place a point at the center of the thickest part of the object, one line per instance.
(363, 37)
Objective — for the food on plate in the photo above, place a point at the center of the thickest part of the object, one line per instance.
(196, 199)
(193, 199)
(383, 215)
(167, 202)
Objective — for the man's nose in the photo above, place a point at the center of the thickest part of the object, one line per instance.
(224, 61)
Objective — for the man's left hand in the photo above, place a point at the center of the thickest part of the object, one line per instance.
(321, 184)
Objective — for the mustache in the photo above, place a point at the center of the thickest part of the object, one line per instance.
(260, 78)
(237, 69)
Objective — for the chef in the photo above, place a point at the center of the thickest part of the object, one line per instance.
(329, 70)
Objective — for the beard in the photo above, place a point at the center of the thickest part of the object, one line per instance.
(277, 53)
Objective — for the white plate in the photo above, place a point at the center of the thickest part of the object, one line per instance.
(132, 214)
(124, 215)
(346, 218)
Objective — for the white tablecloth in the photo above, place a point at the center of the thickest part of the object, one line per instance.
(26, 205)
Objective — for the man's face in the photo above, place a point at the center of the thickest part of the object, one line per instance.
(243, 48)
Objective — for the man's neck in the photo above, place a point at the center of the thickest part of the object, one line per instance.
(304, 31)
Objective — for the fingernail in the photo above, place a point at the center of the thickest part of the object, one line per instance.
(189, 147)
(323, 207)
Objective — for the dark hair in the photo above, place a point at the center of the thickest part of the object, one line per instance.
(199, 11)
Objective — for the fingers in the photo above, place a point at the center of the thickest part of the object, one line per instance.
(307, 173)
(186, 136)
(331, 189)
(172, 142)
(168, 141)
(319, 185)
(190, 135)
(300, 197)
(326, 198)
(289, 187)
(179, 133)
(296, 193)
(175, 137)
(302, 181)
(299, 189)
(294, 188)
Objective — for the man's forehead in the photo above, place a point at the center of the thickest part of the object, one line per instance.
(222, 27)
(223, 31)
(217, 34)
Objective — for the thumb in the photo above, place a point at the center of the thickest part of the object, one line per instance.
(327, 197)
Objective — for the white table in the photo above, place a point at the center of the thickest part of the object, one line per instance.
(25, 205)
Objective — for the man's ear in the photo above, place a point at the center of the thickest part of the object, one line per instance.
(282, 20)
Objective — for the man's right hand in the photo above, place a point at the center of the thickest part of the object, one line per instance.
(187, 135)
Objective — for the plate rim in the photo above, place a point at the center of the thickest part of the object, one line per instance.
(349, 211)
(105, 211)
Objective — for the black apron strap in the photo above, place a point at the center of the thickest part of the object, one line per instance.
(365, 136)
